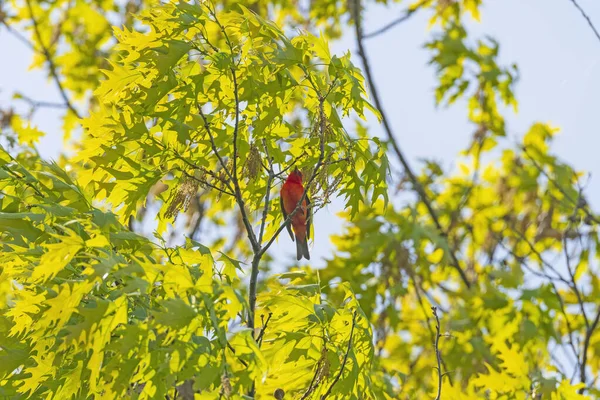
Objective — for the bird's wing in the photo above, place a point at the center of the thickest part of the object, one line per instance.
(309, 215)
(285, 215)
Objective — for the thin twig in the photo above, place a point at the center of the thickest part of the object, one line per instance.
(569, 283)
(545, 263)
(422, 305)
(588, 19)
(38, 104)
(214, 146)
(570, 329)
(263, 329)
(341, 371)
(294, 161)
(196, 226)
(203, 182)
(407, 14)
(569, 267)
(576, 202)
(388, 129)
(437, 353)
(230, 347)
(271, 173)
(18, 35)
(21, 178)
(586, 345)
(49, 60)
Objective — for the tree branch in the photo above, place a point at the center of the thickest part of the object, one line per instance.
(283, 171)
(267, 194)
(407, 14)
(580, 202)
(37, 104)
(586, 345)
(263, 329)
(234, 178)
(18, 35)
(569, 327)
(230, 347)
(214, 148)
(387, 127)
(196, 226)
(51, 65)
(588, 19)
(422, 305)
(341, 371)
(569, 267)
(437, 353)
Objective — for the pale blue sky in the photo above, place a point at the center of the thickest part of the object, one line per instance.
(557, 53)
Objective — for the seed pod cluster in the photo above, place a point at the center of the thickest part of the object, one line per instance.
(226, 388)
(253, 163)
(181, 199)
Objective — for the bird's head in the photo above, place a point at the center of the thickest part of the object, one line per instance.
(295, 176)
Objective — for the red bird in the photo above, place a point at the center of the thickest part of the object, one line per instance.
(291, 193)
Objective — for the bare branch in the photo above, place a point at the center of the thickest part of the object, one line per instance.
(214, 146)
(569, 267)
(16, 175)
(576, 202)
(388, 129)
(283, 171)
(437, 353)
(407, 14)
(39, 104)
(569, 327)
(196, 226)
(588, 19)
(50, 61)
(341, 371)
(586, 345)
(263, 329)
(422, 305)
(18, 35)
(265, 213)
(203, 182)
(230, 347)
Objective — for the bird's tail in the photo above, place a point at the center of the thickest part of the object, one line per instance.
(302, 248)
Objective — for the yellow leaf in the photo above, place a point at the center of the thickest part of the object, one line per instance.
(26, 134)
(98, 241)
(436, 256)
(57, 256)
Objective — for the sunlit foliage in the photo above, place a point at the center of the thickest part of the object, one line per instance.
(193, 113)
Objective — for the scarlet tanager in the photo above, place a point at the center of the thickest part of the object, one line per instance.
(291, 193)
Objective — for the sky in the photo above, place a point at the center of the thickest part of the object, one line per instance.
(556, 51)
